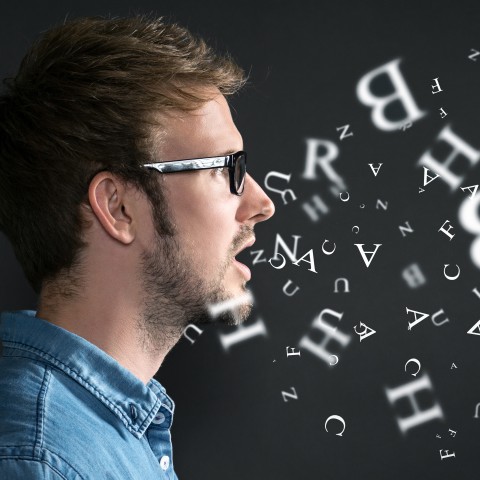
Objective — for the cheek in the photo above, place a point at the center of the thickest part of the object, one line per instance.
(204, 215)
(206, 229)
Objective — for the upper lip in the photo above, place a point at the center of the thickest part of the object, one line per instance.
(246, 245)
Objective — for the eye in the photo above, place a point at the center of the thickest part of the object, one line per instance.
(220, 170)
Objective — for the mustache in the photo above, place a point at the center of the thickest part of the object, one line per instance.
(246, 233)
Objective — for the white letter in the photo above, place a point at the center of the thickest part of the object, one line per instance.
(363, 252)
(379, 104)
(408, 391)
(335, 417)
(460, 147)
(281, 192)
(417, 320)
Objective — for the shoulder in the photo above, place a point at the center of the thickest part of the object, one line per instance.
(21, 380)
(22, 462)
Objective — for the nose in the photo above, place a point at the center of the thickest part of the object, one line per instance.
(255, 205)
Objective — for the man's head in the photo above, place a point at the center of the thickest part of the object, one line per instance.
(94, 100)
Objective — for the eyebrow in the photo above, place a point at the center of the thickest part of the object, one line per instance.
(224, 153)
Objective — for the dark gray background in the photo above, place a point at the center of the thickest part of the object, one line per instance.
(305, 60)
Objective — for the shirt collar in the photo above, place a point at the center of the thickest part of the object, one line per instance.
(133, 402)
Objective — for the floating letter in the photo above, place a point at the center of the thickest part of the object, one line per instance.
(291, 395)
(468, 215)
(329, 154)
(311, 261)
(345, 285)
(435, 315)
(472, 194)
(417, 320)
(403, 229)
(460, 147)
(381, 204)
(474, 54)
(447, 232)
(291, 254)
(243, 333)
(427, 178)
(436, 85)
(191, 325)
(448, 277)
(344, 130)
(375, 170)
(291, 293)
(335, 417)
(318, 207)
(215, 309)
(442, 456)
(325, 251)
(379, 104)
(258, 254)
(366, 332)
(472, 330)
(293, 352)
(414, 360)
(413, 276)
(408, 391)
(363, 252)
(278, 267)
(281, 192)
(331, 333)
(335, 358)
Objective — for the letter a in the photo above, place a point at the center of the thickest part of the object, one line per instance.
(367, 331)
(427, 178)
(363, 252)
(475, 188)
(472, 330)
(417, 320)
(375, 170)
(311, 261)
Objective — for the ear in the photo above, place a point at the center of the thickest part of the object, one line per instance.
(113, 204)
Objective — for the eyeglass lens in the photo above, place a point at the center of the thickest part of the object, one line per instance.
(240, 169)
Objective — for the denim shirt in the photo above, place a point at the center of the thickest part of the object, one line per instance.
(70, 411)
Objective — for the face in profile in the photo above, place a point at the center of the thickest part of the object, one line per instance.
(196, 267)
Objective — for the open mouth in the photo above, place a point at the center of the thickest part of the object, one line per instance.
(243, 268)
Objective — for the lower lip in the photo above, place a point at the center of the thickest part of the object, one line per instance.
(243, 268)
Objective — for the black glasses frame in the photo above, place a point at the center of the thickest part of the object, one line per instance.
(232, 162)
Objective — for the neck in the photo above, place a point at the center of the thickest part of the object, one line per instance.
(117, 327)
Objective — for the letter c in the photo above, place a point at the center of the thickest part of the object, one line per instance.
(335, 417)
(414, 360)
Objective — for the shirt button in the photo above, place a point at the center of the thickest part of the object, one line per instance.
(159, 418)
(164, 462)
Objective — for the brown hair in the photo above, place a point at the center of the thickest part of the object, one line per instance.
(86, 98)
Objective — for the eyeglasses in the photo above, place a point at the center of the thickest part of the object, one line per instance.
(235, 162)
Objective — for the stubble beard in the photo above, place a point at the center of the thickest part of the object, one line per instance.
(175, 295)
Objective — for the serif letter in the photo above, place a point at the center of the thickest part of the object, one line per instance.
(364, 252)
(379, 104)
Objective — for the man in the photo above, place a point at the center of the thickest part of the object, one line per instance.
(125, 238)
